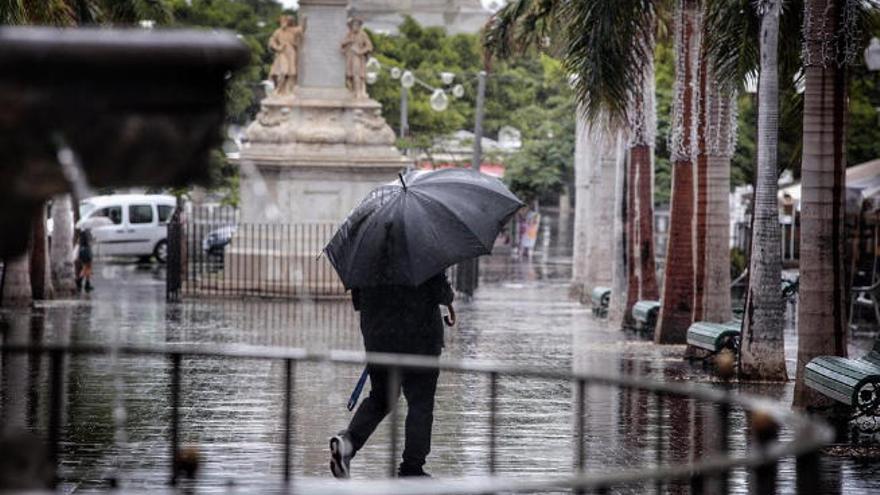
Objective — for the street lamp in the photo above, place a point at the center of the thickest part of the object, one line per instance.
(439, 100)
(372, 70)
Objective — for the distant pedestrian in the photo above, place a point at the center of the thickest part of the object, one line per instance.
(529, 238)
(85, 256)
(397, 319)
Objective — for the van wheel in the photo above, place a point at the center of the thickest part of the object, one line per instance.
(161, 251)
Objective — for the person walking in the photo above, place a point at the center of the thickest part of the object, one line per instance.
(392, 252)
(405, 320)
(84, 257)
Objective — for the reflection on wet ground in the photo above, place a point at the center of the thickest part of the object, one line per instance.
(116, 412)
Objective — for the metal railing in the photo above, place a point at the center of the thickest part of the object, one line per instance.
(762, 458)
(217, 254)
(212, 253)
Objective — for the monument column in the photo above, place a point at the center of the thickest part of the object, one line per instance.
(309, 157)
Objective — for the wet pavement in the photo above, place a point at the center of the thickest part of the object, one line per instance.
(117, 409)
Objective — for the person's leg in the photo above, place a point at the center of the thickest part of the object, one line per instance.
(419, 389)
(372, 410)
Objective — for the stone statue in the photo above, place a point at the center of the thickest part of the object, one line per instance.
(285, 42)
(356, 47)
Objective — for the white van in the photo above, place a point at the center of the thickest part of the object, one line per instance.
(129, 224)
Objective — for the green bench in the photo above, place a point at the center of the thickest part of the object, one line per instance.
(714, 337)
(601, 299)
(645, 313)
(854, 382)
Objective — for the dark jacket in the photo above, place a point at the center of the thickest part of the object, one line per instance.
(403, 319)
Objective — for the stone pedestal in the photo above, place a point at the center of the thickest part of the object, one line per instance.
(308, 159)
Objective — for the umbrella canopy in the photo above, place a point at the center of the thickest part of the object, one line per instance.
(408, 231)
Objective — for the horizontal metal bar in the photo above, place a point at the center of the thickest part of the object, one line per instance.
(808, 435)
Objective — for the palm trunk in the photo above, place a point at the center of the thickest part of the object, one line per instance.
(716, 300)
(678, 285)
(16, 290)
(642, 158)
(822, 311)
(702, 184)
(620, 272)
(582, 172)
(631, 230)
(762, 354)
(600, 268)
(640, 186)
(61, 255)
(41, 276)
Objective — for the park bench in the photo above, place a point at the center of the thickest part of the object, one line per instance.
(714, 337)
(854, 382)
(601, 299)
(645, 314)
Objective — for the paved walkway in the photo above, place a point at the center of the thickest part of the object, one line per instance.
(232, 409)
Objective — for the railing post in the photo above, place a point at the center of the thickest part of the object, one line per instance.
(580, 413)
(697, 482)
(723, 444)
(175, 416)
(288, 413)
(659, 446)
(765, 431)
(393, 388)
(808, 474)
(56, 397)
(493, 420)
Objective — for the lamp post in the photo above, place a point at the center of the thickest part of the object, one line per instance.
(469, 270)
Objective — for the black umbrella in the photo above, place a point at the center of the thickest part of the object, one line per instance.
(406, 232)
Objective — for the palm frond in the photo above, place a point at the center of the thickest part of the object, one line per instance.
(731, 30)
(11, 12)
(518, 26)
(607, 49)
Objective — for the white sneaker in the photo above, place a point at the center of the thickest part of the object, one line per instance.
(340, 455)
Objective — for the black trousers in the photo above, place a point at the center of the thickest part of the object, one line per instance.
(419, 387)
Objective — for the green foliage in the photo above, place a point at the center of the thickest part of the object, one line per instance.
(530, 94)
(602, 41)
(79, 12)
(664, 76)
(253, 21)
(738, 262)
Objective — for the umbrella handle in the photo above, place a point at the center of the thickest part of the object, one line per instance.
(450, 318)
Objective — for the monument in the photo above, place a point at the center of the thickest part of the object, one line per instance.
(318, 145)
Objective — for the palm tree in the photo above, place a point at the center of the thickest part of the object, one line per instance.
(642, 281)
(601, 218)
(829, 36)
(40, 273)
(762, 353)
(608, 45)
(63, 276)
(16, 287)
(678, 285)
(641, 157)
(720, 144)
(582, 162)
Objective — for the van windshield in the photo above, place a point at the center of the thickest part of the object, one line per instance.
(85, 208)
